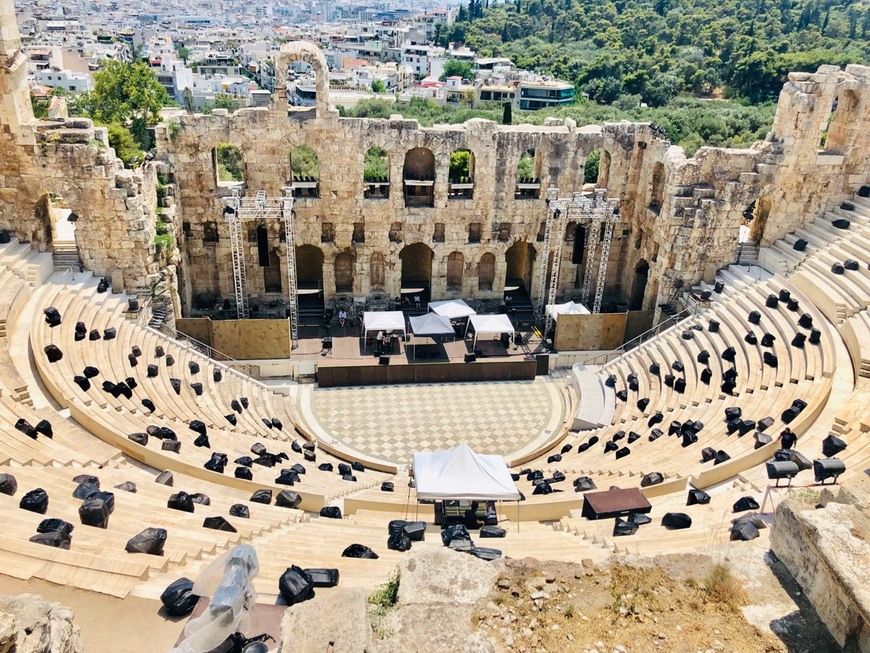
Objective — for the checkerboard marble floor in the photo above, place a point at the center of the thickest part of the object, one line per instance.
(391, 422)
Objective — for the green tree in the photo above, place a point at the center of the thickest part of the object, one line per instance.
(125, 146)
(182, 52)
(376, 165)
(187, 94)
(304, 163)
(460, 167)
(229, 163)
(590, 168)
(378, 86)
(228, 102)
(40, 106)
(127, 94)
(456, 68)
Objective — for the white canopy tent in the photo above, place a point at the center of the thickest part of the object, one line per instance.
(461, 473)
(452, 309)
(489, 325)
(383, 321)
(430, 325)
(568, 308)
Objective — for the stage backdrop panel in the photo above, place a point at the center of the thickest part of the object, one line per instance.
(601, 331)
(241, 339)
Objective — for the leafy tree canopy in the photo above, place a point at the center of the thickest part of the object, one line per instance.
(456, 68)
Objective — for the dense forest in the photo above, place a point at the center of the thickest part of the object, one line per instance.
(658, 49)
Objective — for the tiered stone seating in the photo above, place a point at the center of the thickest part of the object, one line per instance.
(96, 559)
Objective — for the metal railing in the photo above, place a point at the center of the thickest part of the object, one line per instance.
(206, 350)
(649, 334)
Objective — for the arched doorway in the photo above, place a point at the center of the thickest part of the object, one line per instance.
(344, 272)
(756, 217)
(416, 271)
(309, 267)
(519, 260)
(657, 187)
(486, 271)
(638, 286)
(843, 115)
(455, 267)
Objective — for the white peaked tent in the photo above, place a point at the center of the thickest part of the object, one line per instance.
(460, 473)
(452, 308)
(383, 321)
(568, 308)
(489, 325)
(430, 325)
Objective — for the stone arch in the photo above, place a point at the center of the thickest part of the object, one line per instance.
(416, 264)
(418, 175)
(486, 271)
(455, 268)
(377, 271)
(844, 114)
(657, 187)
(312, 55)
(344, 265)
(309, 266)
(638, 286)
(519, 261)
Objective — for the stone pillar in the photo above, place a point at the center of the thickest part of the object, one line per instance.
(10, 40)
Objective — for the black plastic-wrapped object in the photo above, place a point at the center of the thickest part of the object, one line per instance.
(287, 477)
(193, 367)
(81, 331)
(170, 361)
(730, 354)
(654, 369)
(180, 501)
(202, 441)
(150, 541)
(330, 512)
(805, 320)
(653, 478)
(322, 577)
(295, 586)
(745, 503)
(94, 335)
(173, 446)
(386, 486)
(52, 316)
(655, 434)
(176, 385)
(706, 375)
(236, 406)
(622, 395)
(584, 484)
(8, 485)
(25, 427)
(800, 245)
(754, 317)
(82, 382)
(35, 501)
(240, 510)
(455, 532)
(110, 333)
(197, 426)
(751, 338)
(359, 551)
(767, 340)
(149, 405)
(744, 531)
(152, 371)
(219, 524)
(243, 473)
(398, 541)
(832, 445)
(197, 389)
(217, 375)
(288, 499)
(485, 553)
(772, 301)
(85, 490)
(178, 598)
(492, 532)
(815, 337)
(621, 528)
(217, 463)
(53, 353)
(131, 382)
(165, 478)
(622, 453)
(53, 525)
(139, 438)
(57, 539)
(713, 326)
(94, 512)
(676, 521)
(697, 496)
(231, 419)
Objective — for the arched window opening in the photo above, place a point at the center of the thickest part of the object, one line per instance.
(596, 169)
(419, 177)
(229, 168)
(460, 175)
(528, 176)
(343, 272)
(376, 174)
(455, 268)
(657, 188)
(638, 286)
(377, 271)
(486, 272)
(305, 169)
(843, 116)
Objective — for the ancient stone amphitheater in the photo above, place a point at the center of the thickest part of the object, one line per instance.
(785, 338)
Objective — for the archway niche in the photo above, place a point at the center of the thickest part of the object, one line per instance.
(418, 175)
(596, 169)
(528, 175)
(376, 173)
(844, 114)
(272, 277)
(305, 170)
(486, 271)
(229, 168)
(416, 264)
(344, 272)
(519, 261)
(377, 271)
(638, 286)
(756, 215)
(309, 267)
(657, 187)
(455, 268)
(460, 175)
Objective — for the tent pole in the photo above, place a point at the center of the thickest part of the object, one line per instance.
(518, 515)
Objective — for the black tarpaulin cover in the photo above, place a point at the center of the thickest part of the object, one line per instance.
(150, 541)
(178, 598)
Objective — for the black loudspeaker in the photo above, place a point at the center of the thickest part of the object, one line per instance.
(133, 305)
(470, 358)
(262, 246)
(384, 360)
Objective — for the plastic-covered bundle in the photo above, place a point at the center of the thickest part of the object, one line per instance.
(228, 582)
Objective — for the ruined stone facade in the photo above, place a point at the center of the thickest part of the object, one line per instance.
(680, 217)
